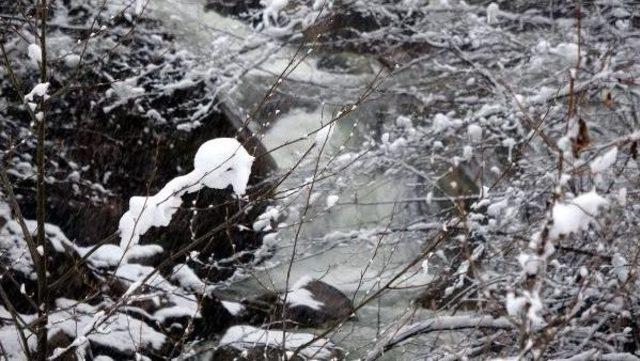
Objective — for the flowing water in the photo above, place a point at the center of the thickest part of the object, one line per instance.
(335, 244)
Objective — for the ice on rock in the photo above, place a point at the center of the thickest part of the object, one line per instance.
(218, 163)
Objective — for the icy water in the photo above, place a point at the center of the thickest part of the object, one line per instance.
(335, 244)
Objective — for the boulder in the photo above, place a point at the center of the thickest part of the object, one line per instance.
(249, 343)
(309, 303)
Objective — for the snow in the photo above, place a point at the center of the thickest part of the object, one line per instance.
(80, 322)
(218, 163)
(492, 13)
(271, 11)
(14, 247)
(105, 256)
(404, 122)
(140, 4)
(441, 122)
(529, 305)
(605, 161)
(576, 214)
(620, 267)
(475, 133)
(234, 308)
(35, 54)
(621, 197)
(263, 223)
(496, 208)
(332, 199)
(247, 337)
(127, 88)
(509, 143)
(567, 52)
(72, 60)
(141, 252)
(38, 90)
(187, 278)
(300, 296)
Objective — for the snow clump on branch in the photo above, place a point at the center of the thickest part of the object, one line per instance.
(218, 163)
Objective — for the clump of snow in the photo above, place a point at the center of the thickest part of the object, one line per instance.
(332, 199)
(248, 337)
(467, 152)
(404, 122)
(234, 308)
(271, 11)
(620, 267)
(39, 90)
(72, 60)
(604, 162)
(492, 13)
(576, 215)
(218, 163)
(530, 263)
(35, 54)
(529, 305)
(475, 133)
(263, 223)
(441, 122)
(621, 197)
(509, 143)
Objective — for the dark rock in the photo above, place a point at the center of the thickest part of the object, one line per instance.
(310, 303)
(336, 306)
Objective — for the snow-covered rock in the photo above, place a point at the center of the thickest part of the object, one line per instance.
(250, 343)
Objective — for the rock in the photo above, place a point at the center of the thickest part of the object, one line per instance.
(315, 303)
(310, 303)
(345, 63)
(250, 343)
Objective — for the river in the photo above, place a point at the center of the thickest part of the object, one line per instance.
(336, 244)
